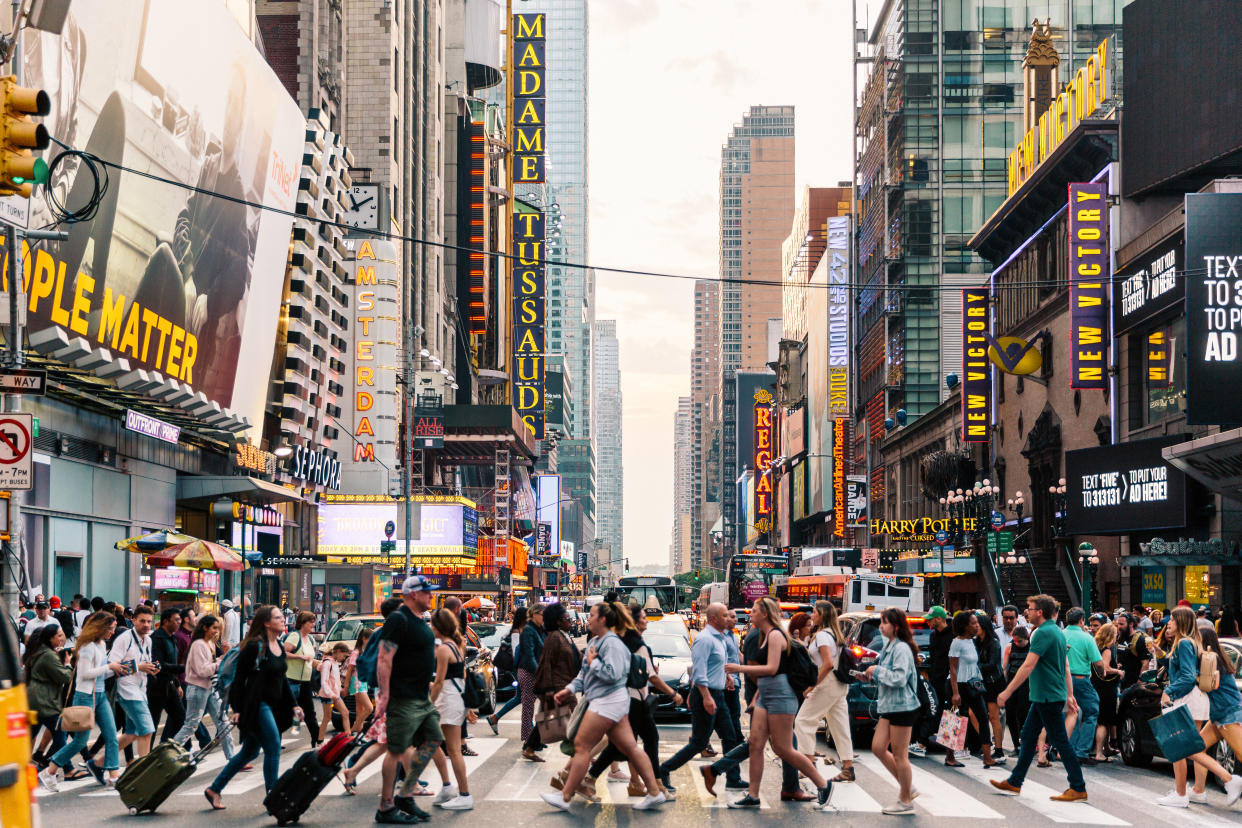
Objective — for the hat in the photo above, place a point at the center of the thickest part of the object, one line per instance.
(227, 603)
(1183, 603)
(41, 605)
(936, 612)
(54, 602)
(417, 583)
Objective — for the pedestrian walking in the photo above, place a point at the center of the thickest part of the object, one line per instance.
(377, 732)
(1084, 655)
(937, 663)
(331, 689)
(164, 689)
(1225, 714)
(1133, 650)
(514, 649)
(800, 627)
(1051, 694)
(231, 618)
(132, 649)
(966, 684)
(47, 675)
(1019, 703)
(602, 681)
(91, 665)
(1105, 677)
(354, 686)
(201, 699)
(404, 669)
(775, 706)
(302, 668)
(261, 700)
(991, 657)
(708, 710)
(896, 675)
(530, 651)
(446, 695)
(827, 699)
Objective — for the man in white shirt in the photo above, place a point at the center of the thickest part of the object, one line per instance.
(43, 618)
(1009, 622)
(80, 614)
(133, 649)
(232, 624)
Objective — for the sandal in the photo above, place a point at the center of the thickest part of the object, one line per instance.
(351, 786)
(846, 775)
(953, 764)
(1043, 763)
(465, 751)
(77, 773)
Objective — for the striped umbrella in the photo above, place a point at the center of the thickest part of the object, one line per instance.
(153, 542)
(198, 554)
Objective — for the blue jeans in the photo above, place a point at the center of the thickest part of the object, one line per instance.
(1049, 717)
(513, 702)
(265, 736)
(702, 724)
(1082, 740)
(107, 729)
(201, 701)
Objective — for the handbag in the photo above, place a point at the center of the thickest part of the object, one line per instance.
(952, 732)
(75, 718)
(1176, 734)
(553, 722)
(571, 733)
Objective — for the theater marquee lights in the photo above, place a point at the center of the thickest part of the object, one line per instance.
(763, 459)
(976, 367)
(1090, 276)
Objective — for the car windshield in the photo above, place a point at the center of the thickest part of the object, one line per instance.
(668, 646)
(347, 629)
(492, 635)
(668, 626)
(869, 635)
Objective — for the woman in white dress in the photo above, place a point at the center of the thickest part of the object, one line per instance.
(446, 694)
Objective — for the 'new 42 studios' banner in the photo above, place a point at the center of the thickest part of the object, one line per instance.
(173, 281)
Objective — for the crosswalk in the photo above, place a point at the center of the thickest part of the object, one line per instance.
(501, 778)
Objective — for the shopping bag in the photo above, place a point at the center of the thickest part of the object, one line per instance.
(952, 733)
(553, 722)
(571, 733)
(1176, 734)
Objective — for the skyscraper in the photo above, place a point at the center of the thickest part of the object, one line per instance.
(610, 494)
(570, 290)
(756, 208)
(683, 488)
(705, 419)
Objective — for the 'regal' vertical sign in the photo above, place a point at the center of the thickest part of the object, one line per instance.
(976, 367)
(763, 459)
(1090, 273)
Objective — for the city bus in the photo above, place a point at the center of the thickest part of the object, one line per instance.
(642, 587)
(854, 591)
(750, 574)
(714, 593)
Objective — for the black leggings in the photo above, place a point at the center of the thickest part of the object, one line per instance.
(976, 702)
(1015, 714)
(645, 730)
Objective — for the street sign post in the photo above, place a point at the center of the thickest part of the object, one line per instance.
(16, 460)
(23, 381)
(999, 543)
(998, 520)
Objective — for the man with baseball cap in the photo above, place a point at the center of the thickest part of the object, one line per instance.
(231, 636)
(404, 669)
(937, 619)
(43, 617)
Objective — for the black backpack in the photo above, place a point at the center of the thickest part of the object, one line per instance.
(504, 659)
(800, 669)
(845, 662)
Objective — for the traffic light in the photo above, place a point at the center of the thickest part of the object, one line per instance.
(19, 169)
(696, 574)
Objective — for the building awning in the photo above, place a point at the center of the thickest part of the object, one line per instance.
(192, 489)
(1214, 460)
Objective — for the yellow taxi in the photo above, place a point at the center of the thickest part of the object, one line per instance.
(17, 776)
(661, 623)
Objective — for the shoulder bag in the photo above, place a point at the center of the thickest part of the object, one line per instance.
(75, 718)
(1209, 674)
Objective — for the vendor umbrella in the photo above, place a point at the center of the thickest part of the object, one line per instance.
(479, 602)
(199, 554)
(154, 541)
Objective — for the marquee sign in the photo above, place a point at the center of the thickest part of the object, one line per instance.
(763, 457)
(1090, 272)
(530, 101)
(1159, 361)
(976, 369)
(475, 241)
(315, 467)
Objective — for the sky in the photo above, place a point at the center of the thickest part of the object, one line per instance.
(668, 80)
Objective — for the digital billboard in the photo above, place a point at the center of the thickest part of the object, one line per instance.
(548, 506)
(1124, 488)
(172, 279)
(353, 531)
(1213, 307)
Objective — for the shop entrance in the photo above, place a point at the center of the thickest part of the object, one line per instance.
(68, 576)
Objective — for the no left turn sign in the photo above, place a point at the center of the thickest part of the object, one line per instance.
(15, 456)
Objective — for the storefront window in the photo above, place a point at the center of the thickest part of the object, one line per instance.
(342, 600)
(1198, 585)
(1169, 401)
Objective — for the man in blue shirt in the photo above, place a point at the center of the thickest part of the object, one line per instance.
(708, 709)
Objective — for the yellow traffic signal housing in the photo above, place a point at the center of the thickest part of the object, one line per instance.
(19, 168)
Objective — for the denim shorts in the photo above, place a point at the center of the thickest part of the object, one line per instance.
(776, 696)
(138, 721)
(1234, 718)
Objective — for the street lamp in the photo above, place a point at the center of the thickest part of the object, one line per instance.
(1089, 559)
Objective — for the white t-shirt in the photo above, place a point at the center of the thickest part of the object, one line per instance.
(1145, 625)
(34, 625)
(129, 646)
(232, 627)
(823, 638)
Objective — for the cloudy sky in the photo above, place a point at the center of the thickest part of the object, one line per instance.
(668, 79)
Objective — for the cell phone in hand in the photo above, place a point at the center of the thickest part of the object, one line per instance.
(858, 674)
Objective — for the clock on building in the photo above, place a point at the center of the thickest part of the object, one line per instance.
(364, 207)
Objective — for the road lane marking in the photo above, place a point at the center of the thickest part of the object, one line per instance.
(1035, 796)
(934, 797)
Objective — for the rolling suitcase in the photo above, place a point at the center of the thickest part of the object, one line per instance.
(297, 787)
(149, 780)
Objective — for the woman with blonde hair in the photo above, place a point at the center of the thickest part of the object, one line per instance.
(1105, 676)
(826, 700)
(446, 695)
(775, 707)
(1183, 652)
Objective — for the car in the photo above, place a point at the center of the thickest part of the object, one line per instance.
(662, 624)
(1140, 703)
(671, 654)
(743, 621)
(491, 636)
(347, 629)
(865, 642)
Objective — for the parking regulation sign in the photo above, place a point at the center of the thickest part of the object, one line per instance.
(16, 463)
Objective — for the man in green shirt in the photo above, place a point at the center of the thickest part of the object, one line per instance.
(1082, 655)
(1051, 694)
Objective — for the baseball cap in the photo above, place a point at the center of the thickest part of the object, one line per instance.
(936, 612)
(54, 602)
(227, 603)
(417, 583)
(41, 605)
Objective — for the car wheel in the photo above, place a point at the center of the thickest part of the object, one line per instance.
(1132, 743)
(1226, 757)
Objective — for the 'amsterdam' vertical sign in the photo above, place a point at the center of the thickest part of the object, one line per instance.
(529, 94)
(1090, 275)
(976, 368)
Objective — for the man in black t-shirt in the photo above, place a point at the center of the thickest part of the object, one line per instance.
(1132, 651)
(404, 669)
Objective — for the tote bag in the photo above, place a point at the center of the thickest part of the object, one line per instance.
(1176, 734)
(553, 722)
(952, 733)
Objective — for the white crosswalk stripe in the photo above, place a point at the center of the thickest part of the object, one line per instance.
(1036, 797)
(934, 797)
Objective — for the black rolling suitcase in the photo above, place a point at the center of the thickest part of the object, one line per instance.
(297, 787)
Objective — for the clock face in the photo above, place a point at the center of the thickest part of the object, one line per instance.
(363, 209)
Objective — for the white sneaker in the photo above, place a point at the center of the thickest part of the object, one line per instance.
(1233, 789)
(899, 808)
(1197, 796)
(555, 800)
(460, 803)
(917, 751)
(49, 780)
(1172, 800)
(446, 793)
(650, 801)
(618, 776)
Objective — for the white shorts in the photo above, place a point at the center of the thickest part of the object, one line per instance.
(452, 708)
(614, 707)
(1196, 701)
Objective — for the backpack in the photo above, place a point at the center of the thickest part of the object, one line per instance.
(1209, 674)
(845, 662)
(636, 679)
(504, 658)
(365, 666)
(224, 676)
(800, 669)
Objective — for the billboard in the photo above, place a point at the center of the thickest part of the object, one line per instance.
(1213, 307)
(174, 281)
(1090, 271)
(548, 507)
(353, 531)
(762, 445)
(1124, 488)
(554, 398)
(529, 97)
(976, 367)
(1148, 286)
(529, 308)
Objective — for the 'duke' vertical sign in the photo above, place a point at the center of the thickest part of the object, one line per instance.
(976, 367)
(1089, 274)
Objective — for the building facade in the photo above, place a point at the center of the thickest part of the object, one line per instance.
(705, 420)
(610, 491)
(679, 558)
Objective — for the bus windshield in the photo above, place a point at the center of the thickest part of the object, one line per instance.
(641, 588)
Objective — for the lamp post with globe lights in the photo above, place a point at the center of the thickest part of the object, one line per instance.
(1090, 559)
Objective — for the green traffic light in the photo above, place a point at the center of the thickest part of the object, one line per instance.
(40, 174)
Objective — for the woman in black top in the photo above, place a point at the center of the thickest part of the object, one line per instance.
(261, 701)
(1019, 703)
(528, 663)
(988, 645)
